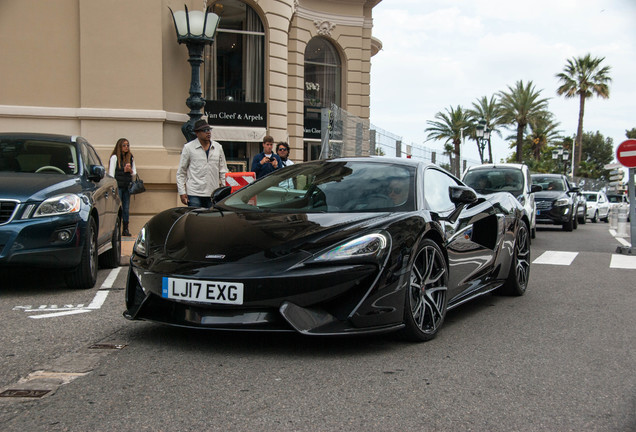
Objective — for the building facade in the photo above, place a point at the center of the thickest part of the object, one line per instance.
(106, 70)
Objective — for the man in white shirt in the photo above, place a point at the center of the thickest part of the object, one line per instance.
(202, 168)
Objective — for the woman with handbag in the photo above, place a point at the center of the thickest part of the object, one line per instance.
(122, 167)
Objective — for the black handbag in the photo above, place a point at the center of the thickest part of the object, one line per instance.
(136, 186)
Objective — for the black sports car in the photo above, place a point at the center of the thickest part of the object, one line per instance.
(58, 209)
(333, 247)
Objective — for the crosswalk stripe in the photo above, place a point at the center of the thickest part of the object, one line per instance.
(556, 258)
(623, 261)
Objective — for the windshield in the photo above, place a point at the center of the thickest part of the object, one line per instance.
(549, 183)
(35, 156)
(492, 180)
(616, 199)
(331, 187)
(591, 197)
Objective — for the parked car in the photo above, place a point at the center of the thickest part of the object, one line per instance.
(509, 177)
(618, 203)
(358, 245)
(581, 208)
(557, 202)
(597, 206)
(58, 208)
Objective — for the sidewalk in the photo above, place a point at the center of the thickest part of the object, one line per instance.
(127, 244)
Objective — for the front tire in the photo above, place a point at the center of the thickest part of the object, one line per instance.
(426, 296)
(595, 217)
(112, 257)
(519, 271)
(84, 275)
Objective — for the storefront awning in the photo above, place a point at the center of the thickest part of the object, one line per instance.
(235, 133)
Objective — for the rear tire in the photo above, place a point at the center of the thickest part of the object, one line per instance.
(84, 275)
(519, 271)
(426, 296)
(595, 217)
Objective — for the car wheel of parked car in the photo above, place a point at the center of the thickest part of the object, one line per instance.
(575, 221)
(582, 220)
(569, 225)
(84, 275)
(111, 258)
(425, 304)
(533, 233)
(595, 217)
(519, 271)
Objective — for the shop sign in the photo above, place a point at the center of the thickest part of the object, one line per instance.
(230, 113)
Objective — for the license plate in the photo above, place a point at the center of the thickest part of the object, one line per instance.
(203, 291)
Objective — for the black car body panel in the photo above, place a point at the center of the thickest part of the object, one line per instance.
(29, 176)
(285, 255)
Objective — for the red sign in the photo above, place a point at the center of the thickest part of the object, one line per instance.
(626, 153)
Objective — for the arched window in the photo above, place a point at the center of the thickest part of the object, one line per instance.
(234, 63)
(322, 74)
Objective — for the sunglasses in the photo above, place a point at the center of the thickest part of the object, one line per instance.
(283, 149)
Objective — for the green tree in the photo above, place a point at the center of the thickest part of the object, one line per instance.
(597, 152)
(631, 134)
(449, 127)
(490, 111)
(520, 105)
(583, 77)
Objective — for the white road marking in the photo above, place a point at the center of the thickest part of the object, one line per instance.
(623, 242)
(556, 258)
(96, 303)
(623, 261)
(57, 314)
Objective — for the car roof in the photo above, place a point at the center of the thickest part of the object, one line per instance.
(497, 165)
(40, 136)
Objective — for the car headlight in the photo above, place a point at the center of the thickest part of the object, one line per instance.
(561, 202)
(141, 244)
(57, 205)
(367, 246)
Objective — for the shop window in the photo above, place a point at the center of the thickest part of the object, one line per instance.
(322, 74)
(234, 63)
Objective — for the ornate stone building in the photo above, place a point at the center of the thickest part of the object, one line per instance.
(111, 69)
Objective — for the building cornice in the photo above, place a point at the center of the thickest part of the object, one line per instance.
(90, 113)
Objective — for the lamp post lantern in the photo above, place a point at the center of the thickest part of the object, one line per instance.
(564, 155)
(482, 133)
(196, 29)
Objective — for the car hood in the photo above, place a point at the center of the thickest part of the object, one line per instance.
(214, 236)
(35, 186)
(549, 195)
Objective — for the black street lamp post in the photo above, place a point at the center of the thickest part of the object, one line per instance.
(196, 29)
(564, 155)
(482, 132)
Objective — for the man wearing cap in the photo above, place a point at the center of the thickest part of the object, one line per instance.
(202, 168)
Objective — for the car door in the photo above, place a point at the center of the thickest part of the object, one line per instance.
(471, 234)
(603, 205)
(104, 196)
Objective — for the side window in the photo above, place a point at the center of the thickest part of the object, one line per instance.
(436, 184)
(93, 157)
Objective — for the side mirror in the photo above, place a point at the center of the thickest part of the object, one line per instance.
(220, 193)
(96, 172)
(536, 188)
(575, 189)
(462, 195)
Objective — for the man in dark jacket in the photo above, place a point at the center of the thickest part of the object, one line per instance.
(266, 161)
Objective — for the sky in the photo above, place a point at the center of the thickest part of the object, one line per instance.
(441, 53)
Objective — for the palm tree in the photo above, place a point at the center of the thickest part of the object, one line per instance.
(543, 131)
(449, 127)
(583, 76)
(520, 105)
(490, 111)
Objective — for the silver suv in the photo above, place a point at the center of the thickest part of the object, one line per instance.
(506, 177)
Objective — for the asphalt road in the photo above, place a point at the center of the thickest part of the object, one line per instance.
(560, 358)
